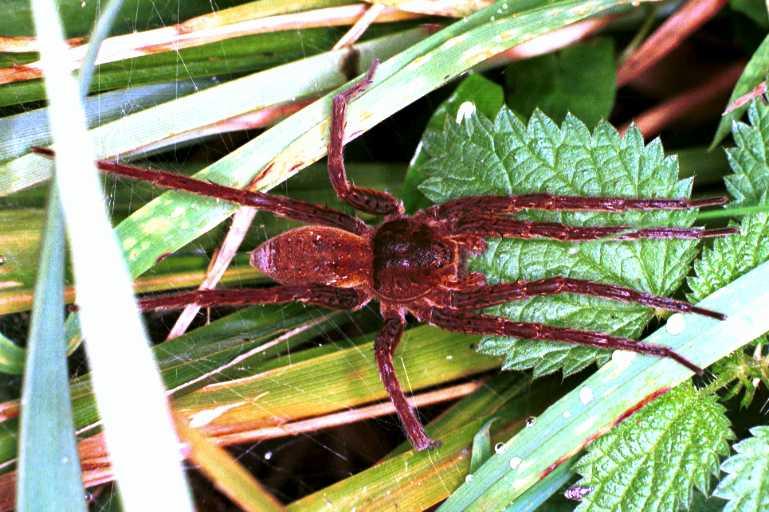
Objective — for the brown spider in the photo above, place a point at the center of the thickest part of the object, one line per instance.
(416, 263)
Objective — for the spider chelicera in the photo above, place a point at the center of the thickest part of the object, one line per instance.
(417, 263)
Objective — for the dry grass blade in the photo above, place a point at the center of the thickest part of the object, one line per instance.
(654, 120)
(225, 472)
(667, 37)
(177, 37)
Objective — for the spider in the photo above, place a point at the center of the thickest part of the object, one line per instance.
(417, 263)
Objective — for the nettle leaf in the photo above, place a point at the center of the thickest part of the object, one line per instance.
(655, 459)
(746, 485)
(750, 158)
(507, 156)
(730, 257)
(485, 95)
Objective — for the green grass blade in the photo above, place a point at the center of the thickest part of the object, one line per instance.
(47, 443)
(11, 356)
(538, 493)
(226, 473)
(409, 480)
(617, 389)
(310, 76)
(22, 131)
(302, 139)
(755, 71)
(118, 350)
(428, 356)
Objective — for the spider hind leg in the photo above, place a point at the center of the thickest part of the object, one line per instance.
(474, 323)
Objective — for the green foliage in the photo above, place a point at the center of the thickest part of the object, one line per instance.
(507, 156)
(750, 158)
(730, 257)
(481, 445)
(653, 460)
(753, 9)
(580, 79)
(487, 97)
(755, 71)
(746, 485)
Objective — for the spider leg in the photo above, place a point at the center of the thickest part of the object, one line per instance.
(319, 295)
(364, 199)
(504, 227)
(278, 205)
(384, 346)
(474, 323)
(483, 205)
(496, 294)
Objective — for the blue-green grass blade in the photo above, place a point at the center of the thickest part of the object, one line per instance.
(47, 444)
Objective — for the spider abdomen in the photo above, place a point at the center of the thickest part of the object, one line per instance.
(410, 259)
(315, 254)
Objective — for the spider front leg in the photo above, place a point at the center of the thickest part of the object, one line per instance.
(484, 206)
(384, 346)
(363, 199)
(474, 323)
(505, 227)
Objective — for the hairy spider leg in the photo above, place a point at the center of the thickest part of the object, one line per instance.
(384, 346)
(278, 205)
(472, 206)
(363, 199)
(505, 227)
(475, 323)
(493, 295)
(319, 295)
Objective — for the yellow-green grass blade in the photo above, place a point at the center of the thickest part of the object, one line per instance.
(78, 17)
(304, 78)
(204, 351)
(226, 473)
(47, 443)
(335, 380)
(11, 356)
(407, 480)
(226, 58)
(175, 219)
(617, 389)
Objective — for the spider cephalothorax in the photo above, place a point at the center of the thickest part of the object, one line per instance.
(417, 263)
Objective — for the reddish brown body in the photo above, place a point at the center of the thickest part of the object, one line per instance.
(416, 264)
(403, 261)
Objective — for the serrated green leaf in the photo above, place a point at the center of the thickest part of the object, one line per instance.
(750, 158)
(580, 79)
(653, 461)
(746, 485)
(730, 257)
(505, 157)
(487, 97)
